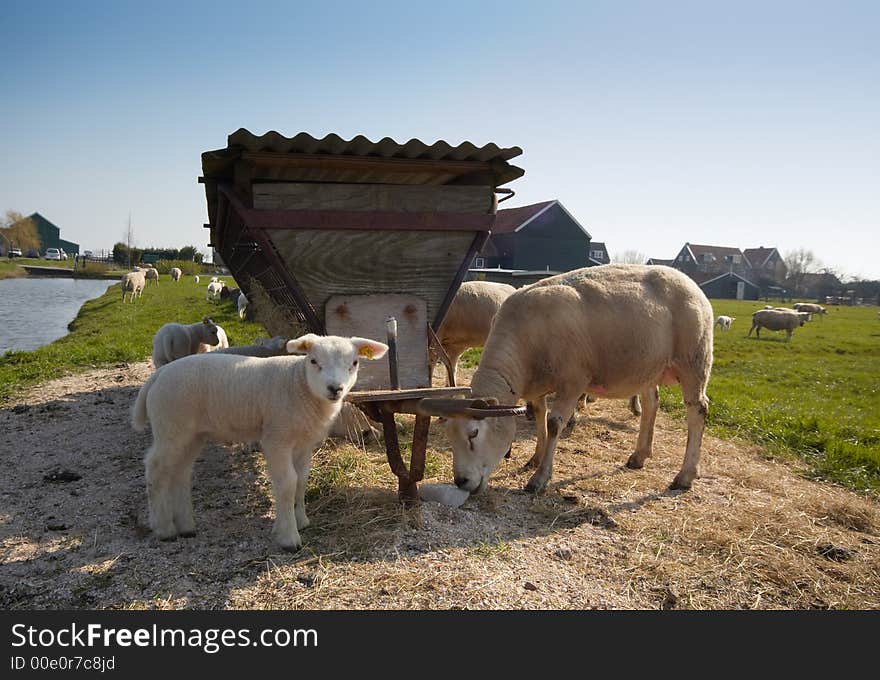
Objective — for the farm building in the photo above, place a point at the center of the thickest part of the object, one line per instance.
(730, 286)
(540, 237)
(50, 235)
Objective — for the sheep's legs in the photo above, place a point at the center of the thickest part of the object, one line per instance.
(650, 399)
(302, 463)
(563, 407)
(539, 408)
(284, 486)
(697, 408)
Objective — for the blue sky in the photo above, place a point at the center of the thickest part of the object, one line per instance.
(655, 123)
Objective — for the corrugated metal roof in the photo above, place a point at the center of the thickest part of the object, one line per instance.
(361, 146)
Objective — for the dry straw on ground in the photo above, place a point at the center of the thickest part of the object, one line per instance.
(750, 534)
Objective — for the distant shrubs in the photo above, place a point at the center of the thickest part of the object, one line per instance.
(188, 267)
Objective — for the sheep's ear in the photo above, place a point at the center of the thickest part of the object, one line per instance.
(369, 349)
(302, 344)
(207, 320)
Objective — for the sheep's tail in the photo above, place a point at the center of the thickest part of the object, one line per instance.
(139, 419)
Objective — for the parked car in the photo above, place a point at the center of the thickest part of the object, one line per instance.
(52, 254)
(15, 252)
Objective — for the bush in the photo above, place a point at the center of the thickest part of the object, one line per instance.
(186, 266)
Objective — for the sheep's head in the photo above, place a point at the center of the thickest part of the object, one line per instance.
(209, 331)
(478, 445)
(332, 361)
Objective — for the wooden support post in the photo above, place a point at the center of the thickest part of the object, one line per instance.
(391, 329)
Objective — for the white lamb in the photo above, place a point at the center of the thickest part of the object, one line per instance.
(723, 322)
(152, 274)
(214, 290)
(176, 273)
(174, 341)
(223, 342)
(133, 283)
(287, 403)
(242, 306)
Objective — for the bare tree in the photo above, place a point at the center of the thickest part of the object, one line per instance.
(800, 262)
(19, 231)
(630, 257)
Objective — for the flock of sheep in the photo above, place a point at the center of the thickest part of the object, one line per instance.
(777, 318)
(612, 331)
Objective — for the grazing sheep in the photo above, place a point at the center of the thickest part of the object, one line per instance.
(777, 320)
(152, 274)
(242, 306)
(468, 319)
(285, 403)
(618, 329)
(134, 283)
(176, 273)
(809, 307)
(196, 279)
(214, 290)
(222, 342)
(174, 341)
(724, 322)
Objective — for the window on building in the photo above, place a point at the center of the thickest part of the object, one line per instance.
(479, 262)
(737, 259)
(597, 254)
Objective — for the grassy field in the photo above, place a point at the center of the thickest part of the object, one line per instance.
(106, 331)
(816, 398)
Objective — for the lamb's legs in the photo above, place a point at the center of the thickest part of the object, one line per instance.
(160, 462)
(182, 490)
(302, 463)
(650, 399)
(563, 407)
(539, 407)
(279, 459)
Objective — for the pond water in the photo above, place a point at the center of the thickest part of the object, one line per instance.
(36, 311)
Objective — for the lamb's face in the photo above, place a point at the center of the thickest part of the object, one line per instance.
(332, 362)
(477, 448)
(210, 332)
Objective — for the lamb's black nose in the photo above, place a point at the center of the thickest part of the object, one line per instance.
(461, 482)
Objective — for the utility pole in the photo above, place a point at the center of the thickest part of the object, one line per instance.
(128, 241)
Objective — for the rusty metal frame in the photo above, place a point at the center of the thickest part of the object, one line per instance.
(268, 251)
(476, 246)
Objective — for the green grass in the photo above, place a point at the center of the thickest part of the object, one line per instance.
(816, 398)
(106, 331)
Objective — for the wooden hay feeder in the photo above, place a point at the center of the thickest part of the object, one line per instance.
(337, 237)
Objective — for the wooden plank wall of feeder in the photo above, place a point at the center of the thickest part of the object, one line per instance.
(366, 197)
(328, 263)
(365, 316)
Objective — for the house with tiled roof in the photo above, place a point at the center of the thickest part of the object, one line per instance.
(766, 264)
(542, 238)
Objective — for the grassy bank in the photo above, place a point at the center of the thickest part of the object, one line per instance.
(106, 331)
(815, 399)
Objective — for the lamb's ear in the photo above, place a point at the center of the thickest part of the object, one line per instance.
(302, 344)
(369, 349)
(207, 320)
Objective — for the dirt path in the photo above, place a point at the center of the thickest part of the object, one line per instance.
(751, 533)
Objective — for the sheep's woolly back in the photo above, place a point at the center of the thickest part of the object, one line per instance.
(615, 326)
(139, 418)
(470, 315)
